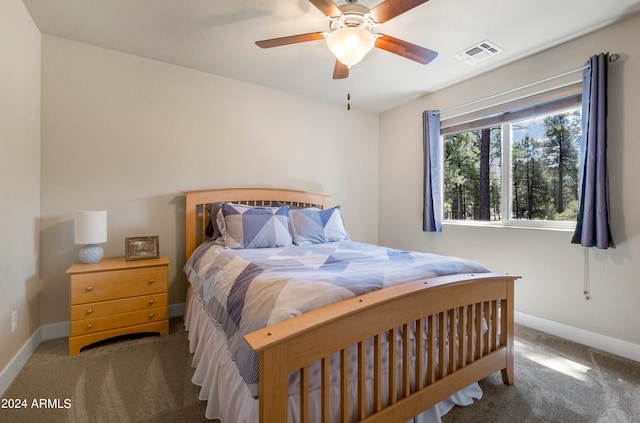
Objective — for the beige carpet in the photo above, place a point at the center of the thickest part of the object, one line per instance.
(148, 379)
(138, 379)
(558, 381)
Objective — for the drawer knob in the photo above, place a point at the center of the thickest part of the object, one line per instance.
(151, 315)
(90, 326)
(89, 288)
(151, 301)
(151, 280)
(90, 311)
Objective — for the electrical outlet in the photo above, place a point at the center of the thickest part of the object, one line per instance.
(14, 321)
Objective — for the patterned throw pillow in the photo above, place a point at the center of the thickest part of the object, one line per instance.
(254, 227)
(315, 226)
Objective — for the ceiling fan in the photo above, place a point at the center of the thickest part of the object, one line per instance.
(351, 34)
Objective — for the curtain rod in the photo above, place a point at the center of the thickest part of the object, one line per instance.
(612, 58)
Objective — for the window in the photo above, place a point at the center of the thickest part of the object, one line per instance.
(516, 167)
(472, 175)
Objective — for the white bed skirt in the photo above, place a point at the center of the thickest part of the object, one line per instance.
(228, 398)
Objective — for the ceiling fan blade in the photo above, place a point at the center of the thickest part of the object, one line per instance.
(405, 49)
(291, 39)
(389, 9)
(340, 71)
(327, 7)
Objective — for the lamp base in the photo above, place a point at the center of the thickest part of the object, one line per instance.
(91, 254)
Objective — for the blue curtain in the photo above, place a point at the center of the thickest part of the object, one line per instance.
(592, 229)
(432, 150)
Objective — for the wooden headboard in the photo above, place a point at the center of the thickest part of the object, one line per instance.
(196, 201)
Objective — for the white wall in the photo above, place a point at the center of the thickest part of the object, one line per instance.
(553, 270)
(19, 176)
(127, 135)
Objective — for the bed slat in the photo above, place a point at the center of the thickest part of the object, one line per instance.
(344, 385)
(451, 322)
(461, 335)
(419, 347)
(431, 354)
(377, 373)
(406, 364)
(442, 346)
(362, 389)
(391, 395)
(324, 400)
(478, 330)
(485, 337)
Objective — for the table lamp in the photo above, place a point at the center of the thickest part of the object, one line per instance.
(90, 229)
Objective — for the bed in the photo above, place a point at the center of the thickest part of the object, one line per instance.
(370, 348)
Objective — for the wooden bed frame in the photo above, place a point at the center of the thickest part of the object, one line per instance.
(451, 308)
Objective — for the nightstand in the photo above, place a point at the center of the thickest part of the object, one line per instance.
(117, 297)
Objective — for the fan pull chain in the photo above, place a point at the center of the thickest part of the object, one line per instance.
(348, 95)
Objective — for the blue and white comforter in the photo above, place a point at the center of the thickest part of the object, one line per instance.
(246, 290)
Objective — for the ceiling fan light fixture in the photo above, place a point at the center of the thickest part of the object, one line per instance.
(350, 44)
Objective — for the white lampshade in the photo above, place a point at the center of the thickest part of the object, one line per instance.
(350, 44)
(90, 228)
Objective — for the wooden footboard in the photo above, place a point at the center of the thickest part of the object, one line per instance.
(470, 315)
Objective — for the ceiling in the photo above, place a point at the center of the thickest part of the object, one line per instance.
(217, 36)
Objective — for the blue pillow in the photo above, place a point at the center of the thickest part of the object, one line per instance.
(254, 227)
(315, 226)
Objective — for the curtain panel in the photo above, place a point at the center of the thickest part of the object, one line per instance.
(592, 228)
(432, 212)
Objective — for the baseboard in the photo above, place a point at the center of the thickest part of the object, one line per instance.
(176, 310)
(45, 333)
(55, 330)
(19, 360)
(591, 339)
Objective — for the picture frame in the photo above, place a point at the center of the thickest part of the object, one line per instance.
(141, 248)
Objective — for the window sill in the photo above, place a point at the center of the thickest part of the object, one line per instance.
(544, 226)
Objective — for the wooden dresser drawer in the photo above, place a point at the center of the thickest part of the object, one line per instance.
(107, 308)
(92, 287)
(92, 325)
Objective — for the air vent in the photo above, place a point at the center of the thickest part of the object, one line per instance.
(478, 52)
